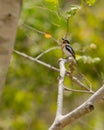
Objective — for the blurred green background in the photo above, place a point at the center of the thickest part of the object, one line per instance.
(30, 94)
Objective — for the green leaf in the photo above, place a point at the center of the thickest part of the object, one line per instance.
(90, 2)
(73, 10)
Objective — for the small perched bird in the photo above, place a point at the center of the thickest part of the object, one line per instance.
(67, 49)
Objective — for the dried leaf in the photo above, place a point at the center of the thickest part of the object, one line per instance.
(47, 35)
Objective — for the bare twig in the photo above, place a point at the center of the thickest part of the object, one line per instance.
(41, 32)
(36, 60)
(44, 52)
(44, 8)
(80, 91)
(75, 79)
(67, 27)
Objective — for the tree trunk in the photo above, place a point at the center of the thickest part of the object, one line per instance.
(9, 15)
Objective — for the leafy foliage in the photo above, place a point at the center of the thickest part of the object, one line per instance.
(73, 10)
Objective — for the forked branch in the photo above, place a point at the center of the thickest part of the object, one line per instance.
(36, 59)
(62, 120)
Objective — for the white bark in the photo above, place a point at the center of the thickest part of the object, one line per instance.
(62, 120)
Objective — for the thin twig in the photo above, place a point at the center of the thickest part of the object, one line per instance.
(67, 27)
(75, 79)
(80, 91)
(48, 50)
(47, 9)
(41, 32)
(38, 61)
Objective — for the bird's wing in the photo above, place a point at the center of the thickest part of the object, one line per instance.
(70, 49)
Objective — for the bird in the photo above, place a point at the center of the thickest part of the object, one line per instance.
(67, 49)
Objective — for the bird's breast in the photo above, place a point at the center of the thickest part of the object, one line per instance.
(66, 52)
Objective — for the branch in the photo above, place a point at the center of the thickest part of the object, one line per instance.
(41, 32)
(36, 60)
(60, 91)
(80, 91)
(77, 81)
(80, 111)
(61, 87)
(48, 50)
(62, 120)
(74, 79)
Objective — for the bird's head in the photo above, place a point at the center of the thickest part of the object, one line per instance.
(65, 41)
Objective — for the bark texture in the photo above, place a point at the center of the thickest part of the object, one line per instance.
(9, 15)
